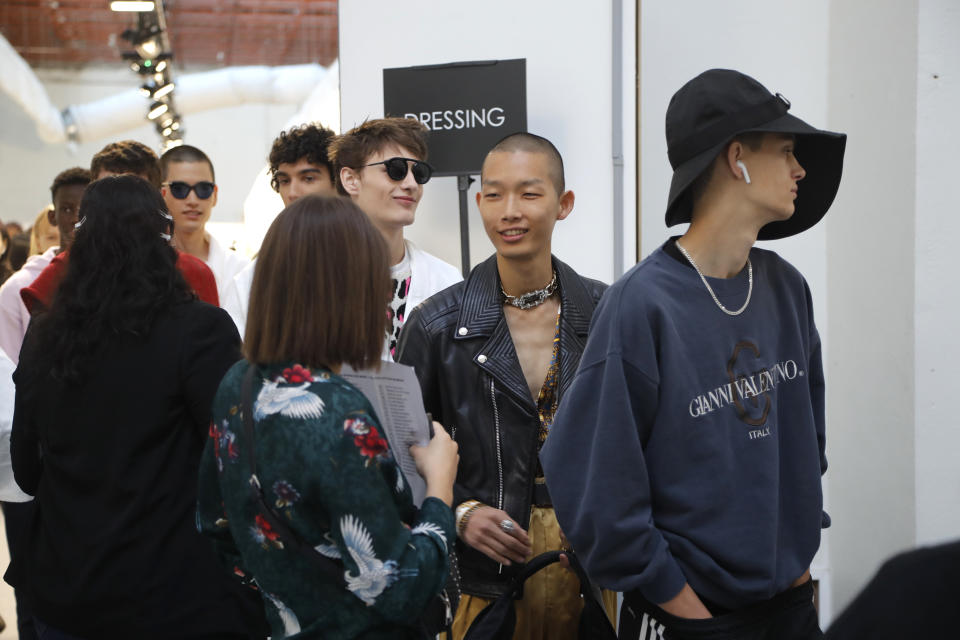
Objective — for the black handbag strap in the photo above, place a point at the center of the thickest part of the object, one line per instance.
(498, 619)
(287, 536)
(545, 559)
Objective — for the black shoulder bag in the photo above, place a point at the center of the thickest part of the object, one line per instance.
(498, 619)
(437, 616)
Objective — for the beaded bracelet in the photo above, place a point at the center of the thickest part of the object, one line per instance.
(464, 511)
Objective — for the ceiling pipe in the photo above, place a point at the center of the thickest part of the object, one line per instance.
(20, 82)
(116, 114)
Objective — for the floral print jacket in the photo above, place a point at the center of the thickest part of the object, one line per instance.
(324, 465)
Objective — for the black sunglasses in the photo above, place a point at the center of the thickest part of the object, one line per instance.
(397, 169)
(181, 190)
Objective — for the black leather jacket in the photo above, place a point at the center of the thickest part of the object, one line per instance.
(472, 383)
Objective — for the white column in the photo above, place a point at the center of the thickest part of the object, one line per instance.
(871, 288)
(937, 317)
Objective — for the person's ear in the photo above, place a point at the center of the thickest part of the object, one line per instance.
(566, 204)
(52, 216)
(216, 189)
(733, 156)
(350, 179)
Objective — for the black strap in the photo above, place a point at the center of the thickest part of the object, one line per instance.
(587, 589)
(498, 619)
(287, 536)
(541, 495)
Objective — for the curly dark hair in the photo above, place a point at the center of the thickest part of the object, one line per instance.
(69, 177)
(309, 141)
(120, 276)
(127, 156)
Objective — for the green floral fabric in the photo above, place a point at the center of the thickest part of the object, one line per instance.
(324, 465)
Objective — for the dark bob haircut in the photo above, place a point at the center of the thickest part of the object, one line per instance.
(320, 289)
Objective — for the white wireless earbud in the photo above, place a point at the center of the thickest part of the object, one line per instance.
(746, 174)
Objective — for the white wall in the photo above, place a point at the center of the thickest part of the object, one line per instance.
(567, 46)
(937, 314)
(870, 252)
(237, 139)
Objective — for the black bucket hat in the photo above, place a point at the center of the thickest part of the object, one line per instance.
(719, 104)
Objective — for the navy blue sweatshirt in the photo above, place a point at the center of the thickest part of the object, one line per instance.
(690, 446)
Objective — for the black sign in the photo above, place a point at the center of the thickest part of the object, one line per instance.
(468, 107)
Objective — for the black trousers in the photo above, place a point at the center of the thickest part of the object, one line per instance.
(787, 616)
(17, 518)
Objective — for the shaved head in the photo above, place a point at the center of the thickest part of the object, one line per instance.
(531, 143)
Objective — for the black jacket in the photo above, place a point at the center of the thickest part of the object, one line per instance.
(472, 383)
(113, 550)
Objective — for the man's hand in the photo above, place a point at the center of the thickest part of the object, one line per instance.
(564, 546)
(686, 604)
(802, 579)
(484, 533)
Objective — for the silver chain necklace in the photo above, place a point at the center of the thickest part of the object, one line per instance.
(707, 284)
(531, 299)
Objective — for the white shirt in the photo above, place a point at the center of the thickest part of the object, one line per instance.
(225, 266)
(14, 316)
(428, 275)
(236, 296)
(9, 490)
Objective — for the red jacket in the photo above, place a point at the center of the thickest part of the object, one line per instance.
(38, 296)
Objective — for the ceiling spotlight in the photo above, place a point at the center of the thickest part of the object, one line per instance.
(149, 48)
(157, 109)
(131, 5)
(161, 65)
(162, 91)
(166, 122)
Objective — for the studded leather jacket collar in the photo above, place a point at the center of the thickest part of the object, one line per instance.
(460, 346)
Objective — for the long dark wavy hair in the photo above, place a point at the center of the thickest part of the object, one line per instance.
(121, 274)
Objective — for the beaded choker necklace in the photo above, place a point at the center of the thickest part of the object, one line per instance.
(531, 299)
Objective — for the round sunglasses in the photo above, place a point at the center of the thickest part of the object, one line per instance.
(181, 190)
(397, 169)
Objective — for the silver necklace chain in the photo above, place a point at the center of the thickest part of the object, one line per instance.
(531, 299)
(710, 289)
